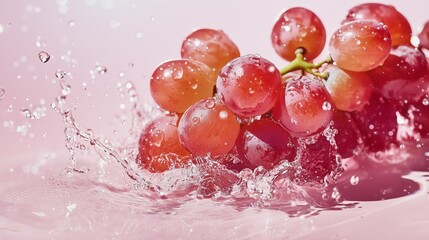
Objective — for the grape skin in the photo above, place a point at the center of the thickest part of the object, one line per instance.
(175, 85)
(265, 143)
(349, 90)
(398, 25)
(211, 47)
(159, 146)
(249, 85)
(377, 123)
(403, 75)
(208, 128)
(360, 45)
(304, 106)
(298, 28)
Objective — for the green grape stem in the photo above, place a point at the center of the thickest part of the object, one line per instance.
(299, 63)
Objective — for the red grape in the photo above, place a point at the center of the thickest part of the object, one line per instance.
(398, 25)
(377, 123)
(304, 106)
(265, 143)
(211, 47)
(159, 146)
(360, 45)
(208, 128)
(347, 136)
(318, 160)
(424, 36)
(349, 90)
(175, 85)
(249, 85)
(298, 28)
(403, 75)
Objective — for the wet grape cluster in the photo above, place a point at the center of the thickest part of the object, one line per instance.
(243, 112)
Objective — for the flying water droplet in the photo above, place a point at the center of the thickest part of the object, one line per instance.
(44, 56)
(210, 103)
(354, 180)
(72, 23)
(60, 74)
(326, 106)
(195, 120)
(194, 86)
(101, 69)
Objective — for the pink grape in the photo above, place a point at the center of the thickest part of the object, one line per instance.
(347, 136)
(249, 85)
(349, 90)
(175, 85)
(360, 45)
(398, 25)
(377, 123)
(211, 47)
(304, 106)
(298, 28)
(265, 143)
(159, 146)
(208, 128)
(403, 76)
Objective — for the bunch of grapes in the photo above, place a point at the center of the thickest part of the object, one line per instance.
(244, 113)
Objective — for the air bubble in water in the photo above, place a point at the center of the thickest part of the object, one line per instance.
(326, 106)
(425, 102)
(354, 180)
(44, 56)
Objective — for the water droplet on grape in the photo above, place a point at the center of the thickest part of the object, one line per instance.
(425, 102)
(210, 103)
(326, 106)
(223, 114)
(354, 180)
(195, 120)
(158, 138)
(271, 69)
(60, 74)
(194, 86)
(177, 73)
(251, 90)
(44, 56)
